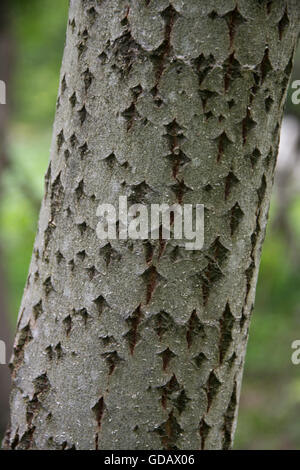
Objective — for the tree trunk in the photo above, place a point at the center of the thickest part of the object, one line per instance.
(134, 344)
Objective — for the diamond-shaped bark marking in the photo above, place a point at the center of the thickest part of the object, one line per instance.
(181, 401)
(163, 323)
(204, 429)
(112, 359)
(223, 144)
(234, 19)
(133, 322)
(178, 159)
(229, 419)
(233, 70)
(137, 90)
(174, 135)
(130, 114)
(140, 193)
(110, 160)
(208, 188)
(57, 196)
(180, 189)
(82, 228)
(81, 48)
(166, 356)
(59, 351)
(73, 140)
(125, 50)
(49, 352)
(92, 272)
(102, 58)
(205, 95)
(23, 338)
(200, 359)
(159, 57)
(73, 99)
(83, 149)
(195, 329)
(254, 157)
(60, 140)
(82, 113)
(247, 125)
(231, 360)
(151, 278)
(98, 410)
(175, 254)
(235, 214)
(265, 66)
(173, 128)
(107, 340)
(87, 78)
(72, 23)
(79, 191)
(101, 304)
(268, 104)
(283, 24)
(249, 276)
(227, 322)
(168, 389)
(67, 154)
(41, 385)
(262, 189)
(47, 179)
(213, 386)
(230, 182)
(38, 310)
(169, 432)
(149, 251)
(48, 285)
(210, 276)
(63, 86)
(92, 12)
(109, 254)
(67, 323)
(81, 255)
(203, 66)
(218, 251)
(84, 315)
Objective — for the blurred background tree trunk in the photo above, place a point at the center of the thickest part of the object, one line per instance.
(6, 64)
(141, 345)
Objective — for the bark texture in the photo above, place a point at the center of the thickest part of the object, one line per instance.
(141, 345)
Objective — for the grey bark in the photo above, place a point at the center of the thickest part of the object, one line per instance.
(141, 345)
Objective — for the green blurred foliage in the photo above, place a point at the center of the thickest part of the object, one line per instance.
(270, 400)
(40, 28)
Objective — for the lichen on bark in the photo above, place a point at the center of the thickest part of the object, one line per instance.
(141, 344)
